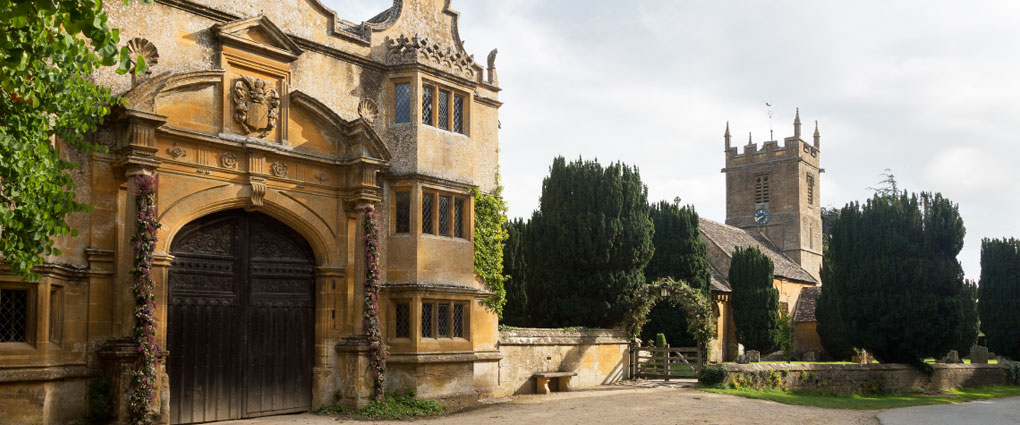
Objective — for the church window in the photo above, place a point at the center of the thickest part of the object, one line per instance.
(444, 215)
(403, 321)
(444, 110)
(13, 315)
(458, 320)
(426, 104)
(458, 114)
(443, 320)
(427, 222)
(403, 103)
(458, 218)
(761, 189)
(403, 212)
(426, 320)
(810, 189)
(56, 315)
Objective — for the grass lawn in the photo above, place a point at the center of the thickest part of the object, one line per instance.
(871, 402)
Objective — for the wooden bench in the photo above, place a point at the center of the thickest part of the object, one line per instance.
(562, 381)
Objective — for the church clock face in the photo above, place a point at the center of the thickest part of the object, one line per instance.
(761, 216)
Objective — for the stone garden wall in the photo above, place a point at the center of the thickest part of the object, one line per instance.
(598, 356)
(851, 378)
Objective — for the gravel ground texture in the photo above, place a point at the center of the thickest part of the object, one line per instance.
(619, 404)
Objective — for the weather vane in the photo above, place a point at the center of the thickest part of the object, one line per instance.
(771, 136)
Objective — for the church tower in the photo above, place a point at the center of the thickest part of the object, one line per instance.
(774, 191)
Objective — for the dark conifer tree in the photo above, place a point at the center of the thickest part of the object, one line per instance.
(892, 277)
(679, 254)
(755, 301)
(967, 332)
(999, 296)
(587, 245)
(515, 312)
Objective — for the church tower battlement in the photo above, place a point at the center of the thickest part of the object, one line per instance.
(774, 190)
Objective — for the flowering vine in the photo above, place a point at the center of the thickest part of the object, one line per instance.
(376, 348)
(692, 302)
(143, 376)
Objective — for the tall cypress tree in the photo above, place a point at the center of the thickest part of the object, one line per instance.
(755, 301)
(999, 296)
(515, 312)
(587, 245)
(967, 331)
(892, 279)
(679, 254)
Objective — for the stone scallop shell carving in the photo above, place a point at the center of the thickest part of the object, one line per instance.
(368, 110)
(141, 47)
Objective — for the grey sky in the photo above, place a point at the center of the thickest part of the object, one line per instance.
(929, 89)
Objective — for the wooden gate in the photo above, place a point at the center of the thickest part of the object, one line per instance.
(240, 319)
(665, 363)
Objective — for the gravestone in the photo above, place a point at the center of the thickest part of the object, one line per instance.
(742, 358)
(753, 356)
(978, 355)
(952, 357)
(809, 356)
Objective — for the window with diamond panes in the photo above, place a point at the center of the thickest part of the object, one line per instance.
(403, 321)
(444, 215)
(458, 114)
(458, 217)
(426, 104)
(426, 321)
(427, 224)
(761, 189)
(443, 105)
(458, 320)
(443, 320)
(403, 213)
(13, 315)
(403, 103)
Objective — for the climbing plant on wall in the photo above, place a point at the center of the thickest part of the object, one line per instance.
(691, 301)
(143, 376)
(490, 234)
(376, 347)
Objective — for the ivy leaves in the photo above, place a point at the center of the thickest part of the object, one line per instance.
(48, 51)
(490, 234)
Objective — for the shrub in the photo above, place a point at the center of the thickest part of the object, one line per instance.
(1012, 372)
(786, 336)
(100, 400)
(398, 405)
(712, 375)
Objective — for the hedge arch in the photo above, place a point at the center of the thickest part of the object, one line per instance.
(692, 302)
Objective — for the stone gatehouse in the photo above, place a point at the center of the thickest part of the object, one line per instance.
(271, 125)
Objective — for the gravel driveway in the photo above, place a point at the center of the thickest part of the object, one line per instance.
(622, 405)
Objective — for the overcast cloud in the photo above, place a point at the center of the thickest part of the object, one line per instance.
(928, 89)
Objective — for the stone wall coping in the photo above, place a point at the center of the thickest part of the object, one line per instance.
(873, 366)
(546, 336)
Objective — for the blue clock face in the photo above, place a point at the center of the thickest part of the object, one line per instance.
(761, 217)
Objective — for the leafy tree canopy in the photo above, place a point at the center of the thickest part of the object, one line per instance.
(48, 51)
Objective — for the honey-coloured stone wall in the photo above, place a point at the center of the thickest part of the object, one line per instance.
(598, 356)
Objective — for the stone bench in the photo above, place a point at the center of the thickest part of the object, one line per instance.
(562, 381)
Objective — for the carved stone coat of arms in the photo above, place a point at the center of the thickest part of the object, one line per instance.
(256, 107)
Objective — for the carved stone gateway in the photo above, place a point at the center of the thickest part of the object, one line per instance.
(256, 107)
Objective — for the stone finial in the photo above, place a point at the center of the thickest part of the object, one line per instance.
(796, 125)
(818, 136)
(493, 79)
(726, 136)
(749, 140)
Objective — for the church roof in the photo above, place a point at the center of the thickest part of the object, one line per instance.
(719, 282)
(804, 310)
(723, 240)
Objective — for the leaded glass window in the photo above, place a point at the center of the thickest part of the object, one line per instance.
(458, 320)
(13, 315)
(427, 224)
(426, 104)
(444, 110)
(403, 213)
(403, 322)
(458, 217)
(426, 321)
(458, 114)
(444, 215)
(403, 103)
(443, 320)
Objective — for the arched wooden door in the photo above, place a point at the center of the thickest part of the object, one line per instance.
(240, 319)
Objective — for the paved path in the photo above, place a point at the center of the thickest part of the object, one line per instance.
(996, 411)
(621, 404)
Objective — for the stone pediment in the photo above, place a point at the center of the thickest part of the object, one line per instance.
(361, 141)
(258, 34)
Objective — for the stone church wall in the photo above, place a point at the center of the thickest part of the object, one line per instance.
(599, 356)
